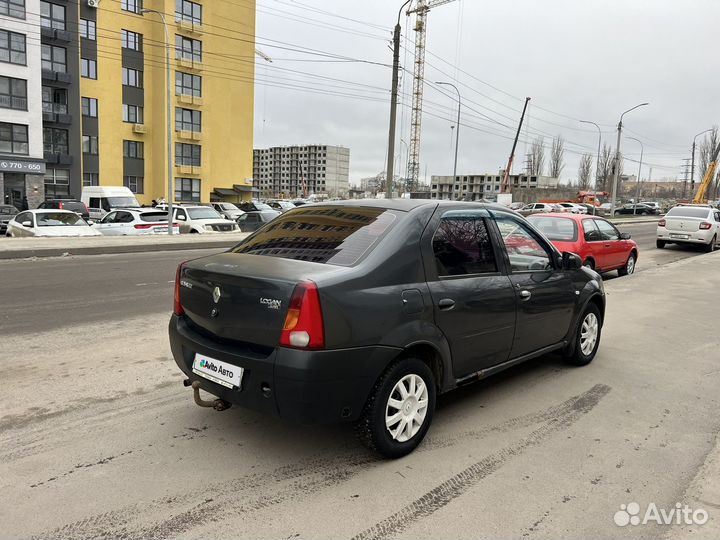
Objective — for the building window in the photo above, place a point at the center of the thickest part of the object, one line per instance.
(13, 93)
(12, 47)
(55, 141)
(135, 183)
(88, 29)
(91, 179)
(188, 11)
(88, 68)
(13, 8)
(187, 189)
(187, 154)
(188, 49)
(13, 139)
(134, 6)
(133, 149)
(187, 84)
(188, 120)
(89, 107)
(90, 144)
(131, 40)
(54, 58)
(132, 114)
(52, 15)
(132, 77)
(54, 100)
(57, 184)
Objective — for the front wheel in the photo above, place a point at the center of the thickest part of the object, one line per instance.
(629, 267)
(587, 337)
(399, 410)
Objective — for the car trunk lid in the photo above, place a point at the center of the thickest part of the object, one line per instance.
(242, 297)
(682, 224)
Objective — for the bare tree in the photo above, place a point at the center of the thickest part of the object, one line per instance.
(537, 156)
(605, 166)
(557, 157)
(585, 172)
(707, 146)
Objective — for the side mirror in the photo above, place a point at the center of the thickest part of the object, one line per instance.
(625, 236)
(26, 224)
(570, 261)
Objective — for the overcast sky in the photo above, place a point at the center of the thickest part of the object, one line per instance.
(586, 59)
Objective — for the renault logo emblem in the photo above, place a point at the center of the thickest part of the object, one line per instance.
(216, 295)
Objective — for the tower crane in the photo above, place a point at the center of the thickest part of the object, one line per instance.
(421, 9)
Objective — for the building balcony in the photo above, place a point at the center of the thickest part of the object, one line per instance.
(138, 128)
(190, 27)
(188, 63)
(56, 158)
(190, 135)
(191, 170)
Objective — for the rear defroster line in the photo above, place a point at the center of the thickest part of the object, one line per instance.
(443, 494)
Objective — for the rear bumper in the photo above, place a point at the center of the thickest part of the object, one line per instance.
(309, 387)
(694, 237)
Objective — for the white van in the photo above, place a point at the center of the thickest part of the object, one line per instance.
(102, 199)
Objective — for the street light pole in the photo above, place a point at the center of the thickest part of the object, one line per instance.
(393, 106)
(168, 99)
(457, 128)
(692, 167)
(617, 159)
(597, 161)
(637, 189)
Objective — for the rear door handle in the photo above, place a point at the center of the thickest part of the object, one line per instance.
(525, 295)
(446, 304)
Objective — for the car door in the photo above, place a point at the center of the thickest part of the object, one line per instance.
(181, 217)
(615, 248)
(544, 291)
(17, 227)
(596, 245)
(473, 300)
(124, 221)
(107, 225)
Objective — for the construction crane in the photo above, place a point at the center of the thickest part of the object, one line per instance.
(421, 9)
(701, 195)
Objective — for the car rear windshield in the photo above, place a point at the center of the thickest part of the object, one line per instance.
(74, 206)
(11, 210)
(688, 211)
(558, 229)
(59, 219)
(324, 234)
(153, 217)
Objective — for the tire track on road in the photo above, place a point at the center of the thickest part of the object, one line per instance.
(457, 485)
(257, 491)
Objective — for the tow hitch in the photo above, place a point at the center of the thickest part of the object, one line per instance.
(217, 404)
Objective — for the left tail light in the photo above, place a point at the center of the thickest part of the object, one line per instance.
(177, 306)
(661, 223)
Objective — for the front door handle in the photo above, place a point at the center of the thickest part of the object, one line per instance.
(525, 295)
(446, 304)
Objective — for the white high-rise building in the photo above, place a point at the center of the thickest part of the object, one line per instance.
(297, 171)
(21, 123)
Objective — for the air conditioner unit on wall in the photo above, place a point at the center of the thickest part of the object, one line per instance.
(93, 3)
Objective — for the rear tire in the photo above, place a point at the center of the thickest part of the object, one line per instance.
(660, 244)
(587, 337)
(399, 411)
(709, 248)
(629, 267)
(589, 263)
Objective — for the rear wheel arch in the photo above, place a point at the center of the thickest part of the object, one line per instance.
(432, 356)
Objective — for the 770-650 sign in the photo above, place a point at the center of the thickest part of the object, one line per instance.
(22, 166)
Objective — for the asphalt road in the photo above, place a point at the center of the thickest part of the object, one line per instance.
(98, 437)
(44, 294)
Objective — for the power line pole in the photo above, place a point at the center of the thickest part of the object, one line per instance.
(686, 174)
(505, 186)
(393, 106)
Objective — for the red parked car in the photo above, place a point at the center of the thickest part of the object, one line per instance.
(598, 243)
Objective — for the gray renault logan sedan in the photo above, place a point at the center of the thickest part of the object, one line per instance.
(365, 311)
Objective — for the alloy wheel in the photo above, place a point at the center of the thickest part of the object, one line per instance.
(630, 265)
(406, 407)
(589, 333)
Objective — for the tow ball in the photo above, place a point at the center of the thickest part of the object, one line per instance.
(217, 404)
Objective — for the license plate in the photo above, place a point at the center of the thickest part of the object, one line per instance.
(160, 229)
(217, 371)
(680, 236)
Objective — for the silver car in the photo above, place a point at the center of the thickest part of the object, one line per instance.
(690, 224)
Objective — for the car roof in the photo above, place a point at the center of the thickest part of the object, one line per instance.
(574, 217)
(50, 211)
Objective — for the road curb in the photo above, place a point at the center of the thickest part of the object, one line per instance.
(26, 253)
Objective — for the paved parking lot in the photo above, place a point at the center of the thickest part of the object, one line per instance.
(95, 416)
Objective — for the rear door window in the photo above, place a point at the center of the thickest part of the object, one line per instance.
(338, 235)
(462, 245)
